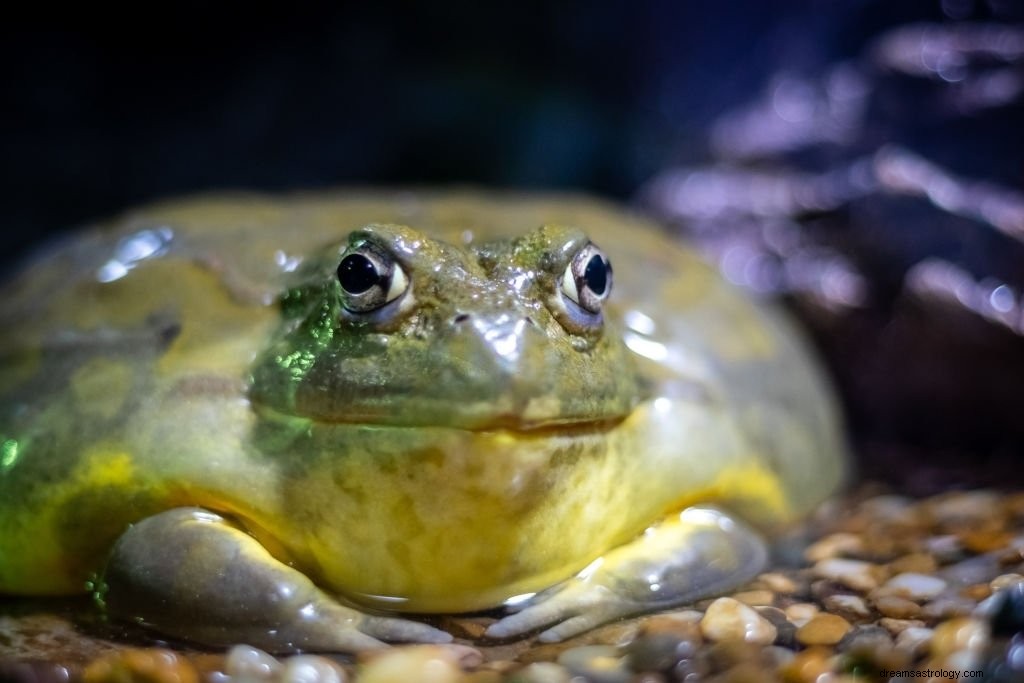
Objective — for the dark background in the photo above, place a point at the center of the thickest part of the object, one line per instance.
(103, 112)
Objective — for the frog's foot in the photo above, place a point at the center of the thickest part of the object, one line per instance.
(191, 574)
(697, 553)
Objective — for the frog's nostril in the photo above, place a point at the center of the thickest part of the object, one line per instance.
(461, 318)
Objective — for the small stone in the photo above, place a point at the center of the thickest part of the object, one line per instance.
(596, 663)
(897, 607)
(658, 652)
(248, 664)
(985, 541)
(914, 640)
(918, 563)
(823, 629)
(947, 607)
(422, 663)
(959, 634)
(869, 638)
(540, 672)
(945, 548)
(728, 619)
(808, 666)
(1005, 580)
(897, 626)
(965, 507)
(862, 576)
(755, 598)
(311, 669)
(915, 586)
(834, 545)
(34, 672)
(976, 592)
(801, 612)
(152, 665)
(780, 583)
(847, 606)
(684, 625)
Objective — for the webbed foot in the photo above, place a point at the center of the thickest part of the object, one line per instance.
(191, 574)
(692, 555)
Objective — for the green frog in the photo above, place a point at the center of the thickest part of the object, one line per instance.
(301, 421)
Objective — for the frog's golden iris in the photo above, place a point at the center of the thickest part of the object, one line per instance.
(294, 412)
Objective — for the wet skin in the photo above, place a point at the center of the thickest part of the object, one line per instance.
(259, 419)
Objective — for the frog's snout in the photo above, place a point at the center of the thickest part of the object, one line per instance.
(503, 336)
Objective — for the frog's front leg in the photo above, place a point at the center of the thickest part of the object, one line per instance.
(191, 574)
(691, 555)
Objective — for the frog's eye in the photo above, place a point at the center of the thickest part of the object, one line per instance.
(369, 278)
(588, 279)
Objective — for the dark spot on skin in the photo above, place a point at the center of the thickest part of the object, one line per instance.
(461, 318)
(169, 333)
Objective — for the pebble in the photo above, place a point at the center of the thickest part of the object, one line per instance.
(780, 583)
(915, 640)
(897, 626)
(854, 574)
(823, 629)
(421, 663)
(963, 633)
(540, 672)
(801, 612)
(897, 607)
(755, 598)
(659, 652)
(596, 664)
(1005, 580)
(152, 665)
(1005, 610)
(944, 548)
(915, 586)
(728, 619)
(919, 563)
(247, 664)
(834, 545)
(808, 666)
(311, 669)
(848, 606)
(948, 607)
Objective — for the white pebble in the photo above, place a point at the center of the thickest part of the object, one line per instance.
(852, 604)
(728, 619)
(420, 663)
(247, 664)
(915, 639)
(311, 669)
(851, 573)
(799, 613)
(915, 586)
(834, 545)
(1005, 580)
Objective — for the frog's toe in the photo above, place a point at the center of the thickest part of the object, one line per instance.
(404, 630)
(578, 606)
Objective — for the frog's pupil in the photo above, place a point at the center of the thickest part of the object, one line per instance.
(596, 275)
(357, 274)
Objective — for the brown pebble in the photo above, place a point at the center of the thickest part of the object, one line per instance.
(730, 620)
(897, 607)
(947, 608)
(851, 573)
(963, 633)
(755, 598)
(976, 592)
(897, 626)
(1005, 581)
(808, 666)
(823, 629)
(984, 541)
(140, 665)
(779, 583)
(684, 625)
(834, 545)
(482, 677)
(918, 563)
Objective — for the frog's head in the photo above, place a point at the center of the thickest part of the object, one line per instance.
(393, 327)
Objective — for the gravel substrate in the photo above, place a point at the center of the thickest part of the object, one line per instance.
(873, 587)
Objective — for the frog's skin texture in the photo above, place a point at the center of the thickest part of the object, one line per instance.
(191, 409)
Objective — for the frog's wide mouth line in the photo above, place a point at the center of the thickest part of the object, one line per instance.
(507, 425)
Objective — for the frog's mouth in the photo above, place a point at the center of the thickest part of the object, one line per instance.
(437, 417)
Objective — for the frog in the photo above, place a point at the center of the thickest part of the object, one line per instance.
(310, 421)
